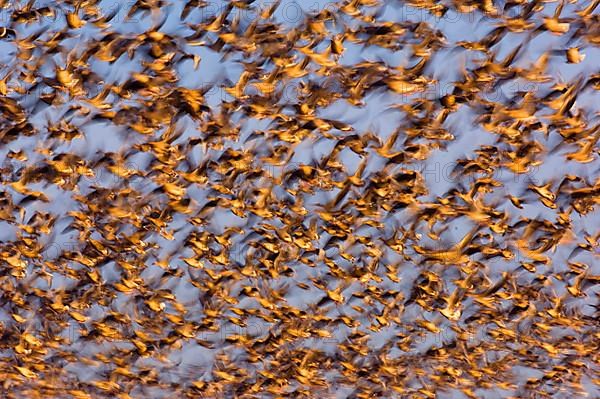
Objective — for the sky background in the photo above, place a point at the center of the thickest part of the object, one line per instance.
(377, 116)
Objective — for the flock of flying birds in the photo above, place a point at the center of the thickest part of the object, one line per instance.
(265, 242)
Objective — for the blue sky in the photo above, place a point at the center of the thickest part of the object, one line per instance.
(375, 116)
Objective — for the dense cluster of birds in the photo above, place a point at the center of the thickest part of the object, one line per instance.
(255, 200)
